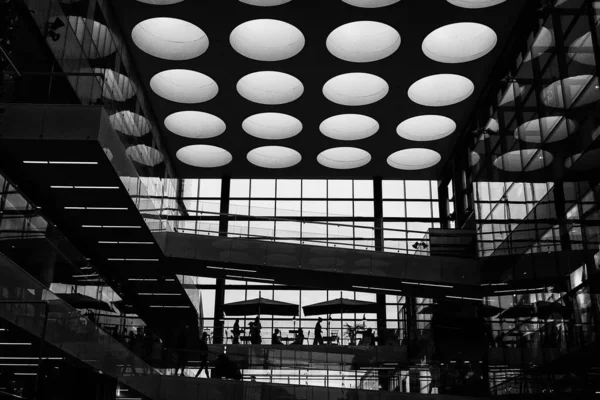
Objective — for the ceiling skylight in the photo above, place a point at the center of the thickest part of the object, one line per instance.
(272, 126)
(116, 86)
(582, 51)
(267, 40)
(195, 124)
(170, 38)
(184, 86)
(579, 91)
(344, 158)
(363, 41)
(475, 3)
(270, 87)
(370, 3)
(104, 44)
(144, 155)
(204, 156)
(349, 127)
(129, 123)
(460, 42)
(160, 2)
(265, 3)
(426, 128)
(546, 130)
(274, 157)
(440, 90)
(543, 41)
(414, 159)
(523, 160)
(355, 89)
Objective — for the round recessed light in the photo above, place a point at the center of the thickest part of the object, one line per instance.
(101, 37)
(582, 50)
(370, 3)
(267, 40)
(270, 87)
(523, 160)
(184, 86)
(344, 158)
(265, 3)
(575, 91)
(170, 38)
(546, 130)
(195, 124)
(130, 124)
(274, 157)
(440, 90)
(458, 43)
(272, 126)
(426, 128)
(204, 156)
(587, 161)
(355, 89)
(414, 159)
(349, 127)
(475, 3)
(363, 41)
(160, 2)
(116, 86)
(144, 155)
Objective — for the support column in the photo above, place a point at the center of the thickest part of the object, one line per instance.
(219, 324)
(378, 212)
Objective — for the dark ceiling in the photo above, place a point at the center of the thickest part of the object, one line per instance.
(313, 66)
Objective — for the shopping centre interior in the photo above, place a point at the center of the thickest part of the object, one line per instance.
(293, 199)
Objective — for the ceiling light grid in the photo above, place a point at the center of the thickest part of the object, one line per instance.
(231, 110)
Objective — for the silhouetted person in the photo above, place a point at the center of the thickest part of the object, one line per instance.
(275, 338)
(203, 355)
(299, 337)
(370, 337)
(257, 327)
(318, 333)
(236, 332)
(182, 347)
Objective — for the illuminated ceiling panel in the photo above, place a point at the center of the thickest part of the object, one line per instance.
(475, 3)
(426, 128)
(370, 3)
(170, 38)
(160, 2)
(523, 160)
(349, 127)
(355, 89)
(272, 126)
(102, 38)
(363, 41)
(195, 124)
(270, 87)
(267, 40)
(204, 156)
(575, 91)
(414, 159)
(274, 157)
(265, 3)
(547, 130)
(184, 86)
(460, 42)
(344, 158)
(144, 155)
(130, 123)
(440, 90)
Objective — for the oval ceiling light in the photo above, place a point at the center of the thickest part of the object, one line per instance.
(272, 126)
(546, 130)
(204, 156)
(144, 155)
(184, 86)
(414, 159)
(584, 161)
(523, 160)
(274, 157)
(475, 3)
(160, 2)
(101, 37)
(363, 41)
(265, 3)
(267, 40)
(440, 90)
(130, 124)
(425, 128)
(116, 86)
(579, 91)
(543, 41)
(355, 89)
(459, 43)
(170, 38)
(370, 3)
(195, 124)
(270, 87)
(582, 50)
(344, 158)
(349, 127)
